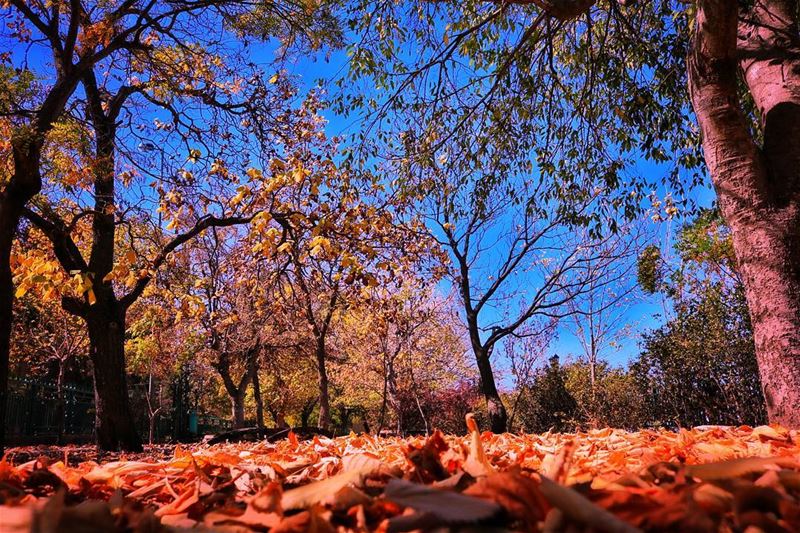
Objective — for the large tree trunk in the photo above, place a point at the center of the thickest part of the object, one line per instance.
(236, 391)
(758, 186)
(237, 409)
(24, 184)
(498, 419)
(9, 218)
(114, 420)
(324, 395)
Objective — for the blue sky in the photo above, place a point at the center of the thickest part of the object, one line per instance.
(642, 315)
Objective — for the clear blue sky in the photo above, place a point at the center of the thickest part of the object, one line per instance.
(644, 314)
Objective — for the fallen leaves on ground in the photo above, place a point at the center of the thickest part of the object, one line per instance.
(704, 479)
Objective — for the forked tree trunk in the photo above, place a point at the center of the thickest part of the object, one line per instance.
(236, 391)
(237, 409)
(758, 186)
(498, 418)
(114, 420)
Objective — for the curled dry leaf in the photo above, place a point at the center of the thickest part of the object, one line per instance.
(477, 464)
(446, 506)
(578, 509)
(313, 493)
(739, 467)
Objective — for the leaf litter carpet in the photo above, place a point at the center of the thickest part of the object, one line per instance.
(704, 479)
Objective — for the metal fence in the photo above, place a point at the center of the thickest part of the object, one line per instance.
(34, 413)
(35, 416)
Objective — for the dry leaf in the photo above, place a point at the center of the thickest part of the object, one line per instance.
(476, 464)
(447, 506)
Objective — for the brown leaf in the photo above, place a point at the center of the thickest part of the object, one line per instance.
(578, 509)
(518, 494)
(447, 506)
(313, 493)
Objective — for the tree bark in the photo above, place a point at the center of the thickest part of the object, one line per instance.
(10, 213)
(324, 394)
(392, 395)
(498, 418)
(23, 185)
(237, 409)
(114, 420)
(236, 392)
(757, 185)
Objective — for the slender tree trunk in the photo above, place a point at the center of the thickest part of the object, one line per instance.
(305, 412)
(60, 402)
(259, 400)
(324, 398)
(114, 420)
(151, 434)
(758, 186)
(392, 396)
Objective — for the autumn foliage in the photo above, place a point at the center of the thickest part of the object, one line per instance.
(713, 478)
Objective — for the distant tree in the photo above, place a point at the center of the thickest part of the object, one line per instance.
(700, 367)
(546, 403)
(586, 89)
(514, 265)
(615, 399)
(598, 317)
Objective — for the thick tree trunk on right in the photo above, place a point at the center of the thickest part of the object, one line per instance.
(758, 186)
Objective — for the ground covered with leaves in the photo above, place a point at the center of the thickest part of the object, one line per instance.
(705, 479)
